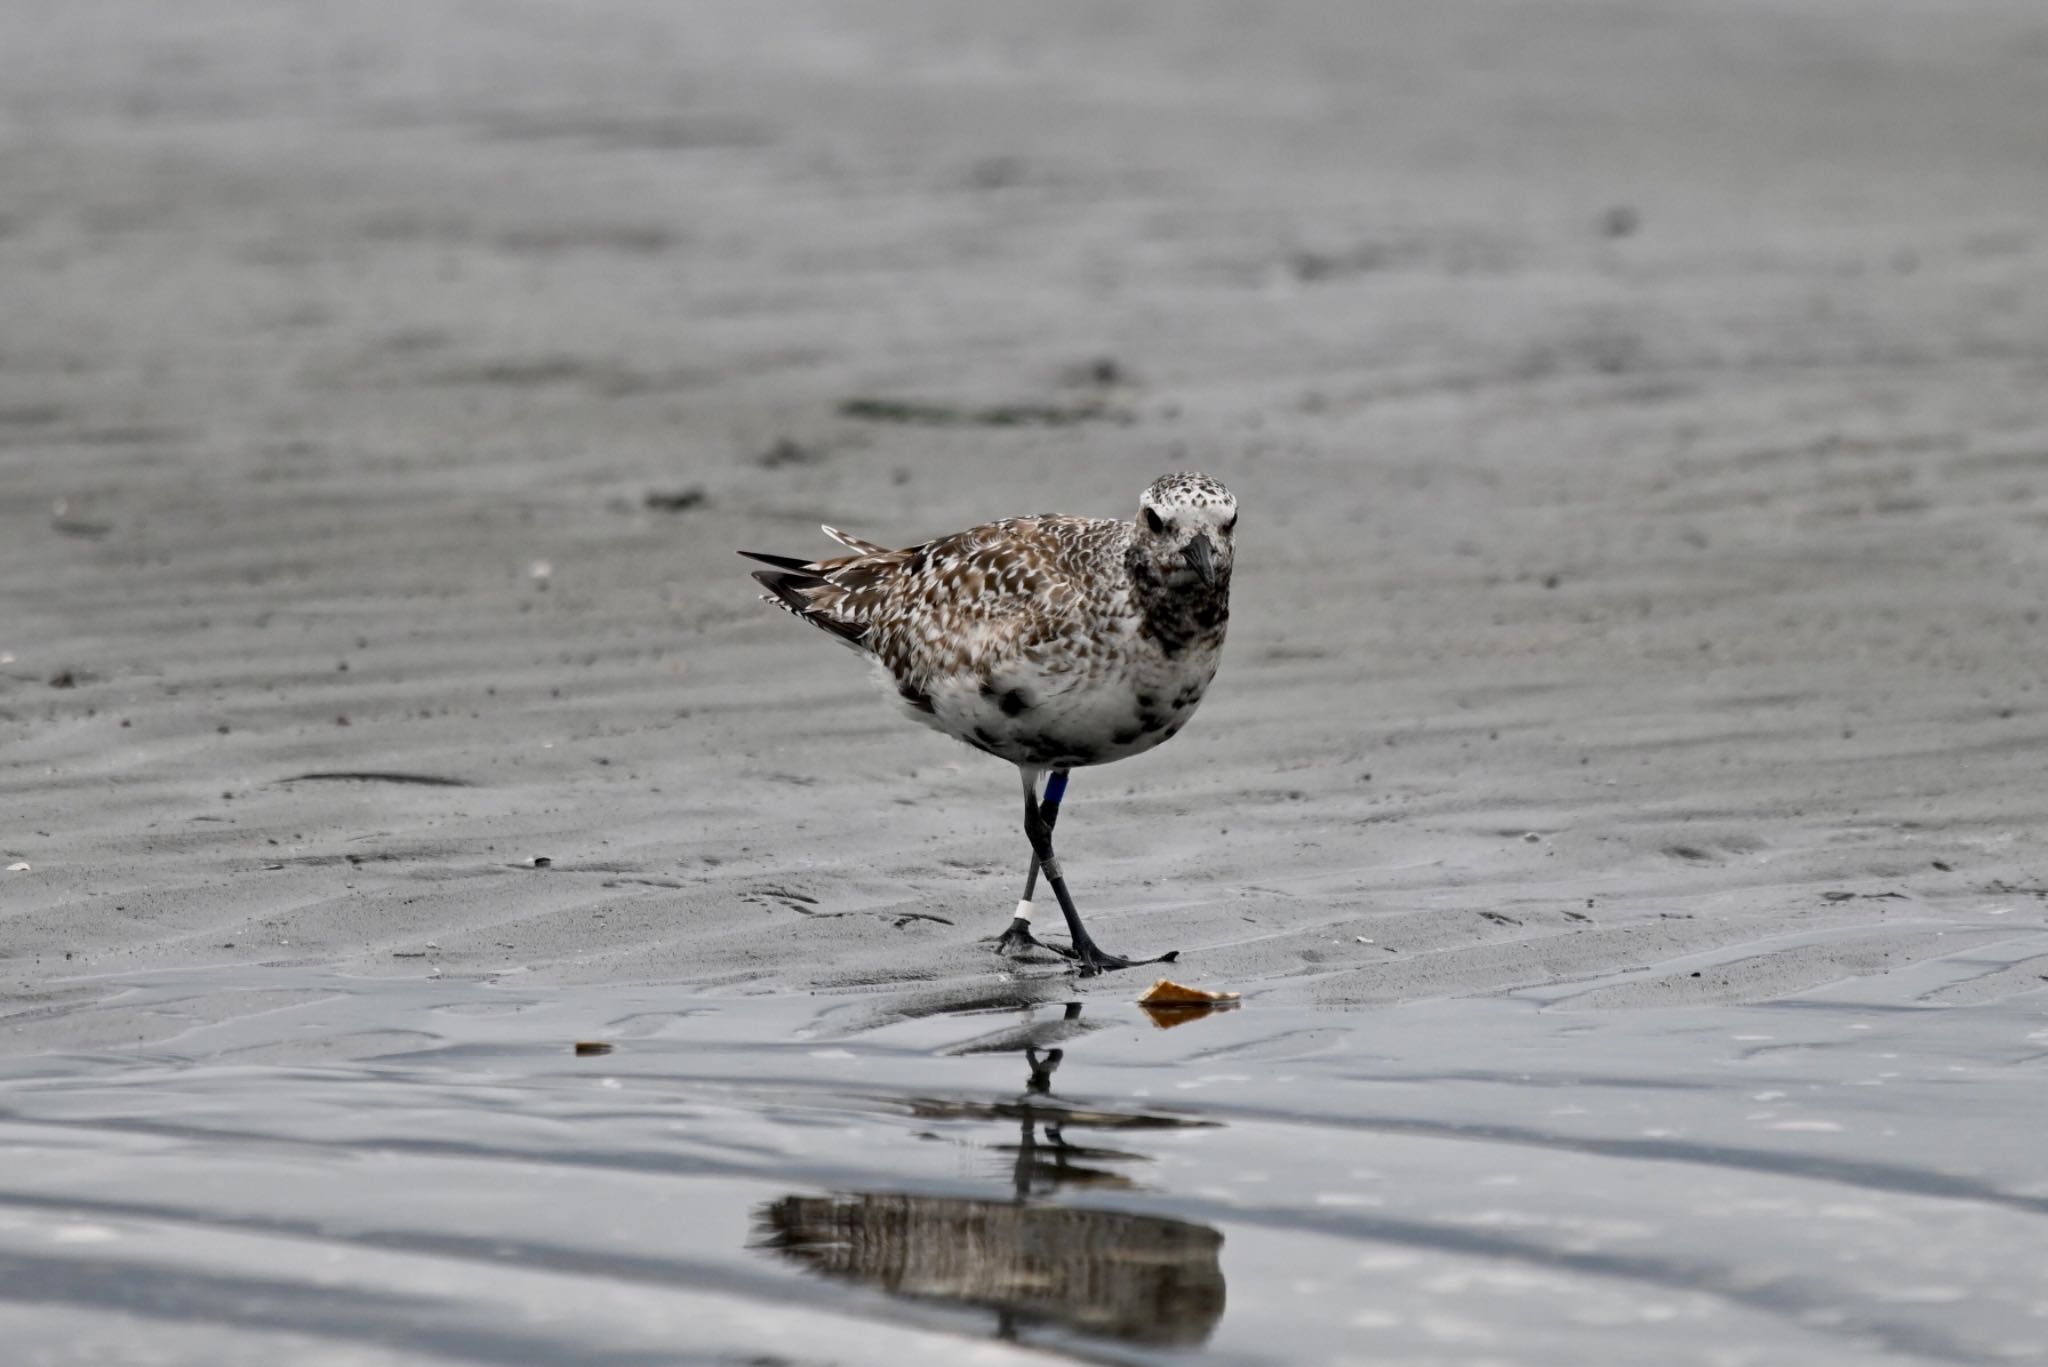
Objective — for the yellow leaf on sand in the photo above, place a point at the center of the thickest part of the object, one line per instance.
(1169, 1003)
(1167, 992)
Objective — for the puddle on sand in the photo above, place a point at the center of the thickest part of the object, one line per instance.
(1027, 1259)
(813, 1180)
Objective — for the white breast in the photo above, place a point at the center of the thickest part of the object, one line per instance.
(1127, 701)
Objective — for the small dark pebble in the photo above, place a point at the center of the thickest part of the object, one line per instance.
(1103, 370)
(541, 861)
(788, 451)
(585, 1048)
(675, 500)
(64, 679)
(1620, 221)
(1944, 866)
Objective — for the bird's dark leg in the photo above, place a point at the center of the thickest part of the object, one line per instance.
(1091, 957)
(1048, 812)
(1019, 935)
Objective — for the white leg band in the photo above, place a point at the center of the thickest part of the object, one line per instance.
(1024, 911)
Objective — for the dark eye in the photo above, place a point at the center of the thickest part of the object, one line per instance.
(1231, 525)
(1152, 521)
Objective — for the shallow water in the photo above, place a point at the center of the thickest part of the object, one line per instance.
(879, 1178)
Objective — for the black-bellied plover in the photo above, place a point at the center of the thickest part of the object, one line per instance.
(1052, 642)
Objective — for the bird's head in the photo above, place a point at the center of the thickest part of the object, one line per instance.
(1184, 531)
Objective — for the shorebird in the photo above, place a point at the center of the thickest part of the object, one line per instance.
(1052, 642)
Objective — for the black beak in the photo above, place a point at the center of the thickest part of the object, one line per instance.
(1201, 557)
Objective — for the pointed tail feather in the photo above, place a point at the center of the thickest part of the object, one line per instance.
(789, 590)
(781, 562)
(788, 587)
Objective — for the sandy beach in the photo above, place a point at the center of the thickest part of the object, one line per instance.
(1635, 411)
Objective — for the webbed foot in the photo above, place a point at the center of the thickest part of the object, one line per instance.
(1094, 960)
(1019, 937)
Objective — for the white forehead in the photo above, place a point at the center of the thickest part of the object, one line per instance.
(1188, 490)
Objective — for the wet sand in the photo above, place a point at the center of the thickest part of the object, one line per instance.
(1635, 411)
(1846, 1178)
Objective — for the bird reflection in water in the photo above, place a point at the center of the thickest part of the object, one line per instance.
(1142, 1279)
